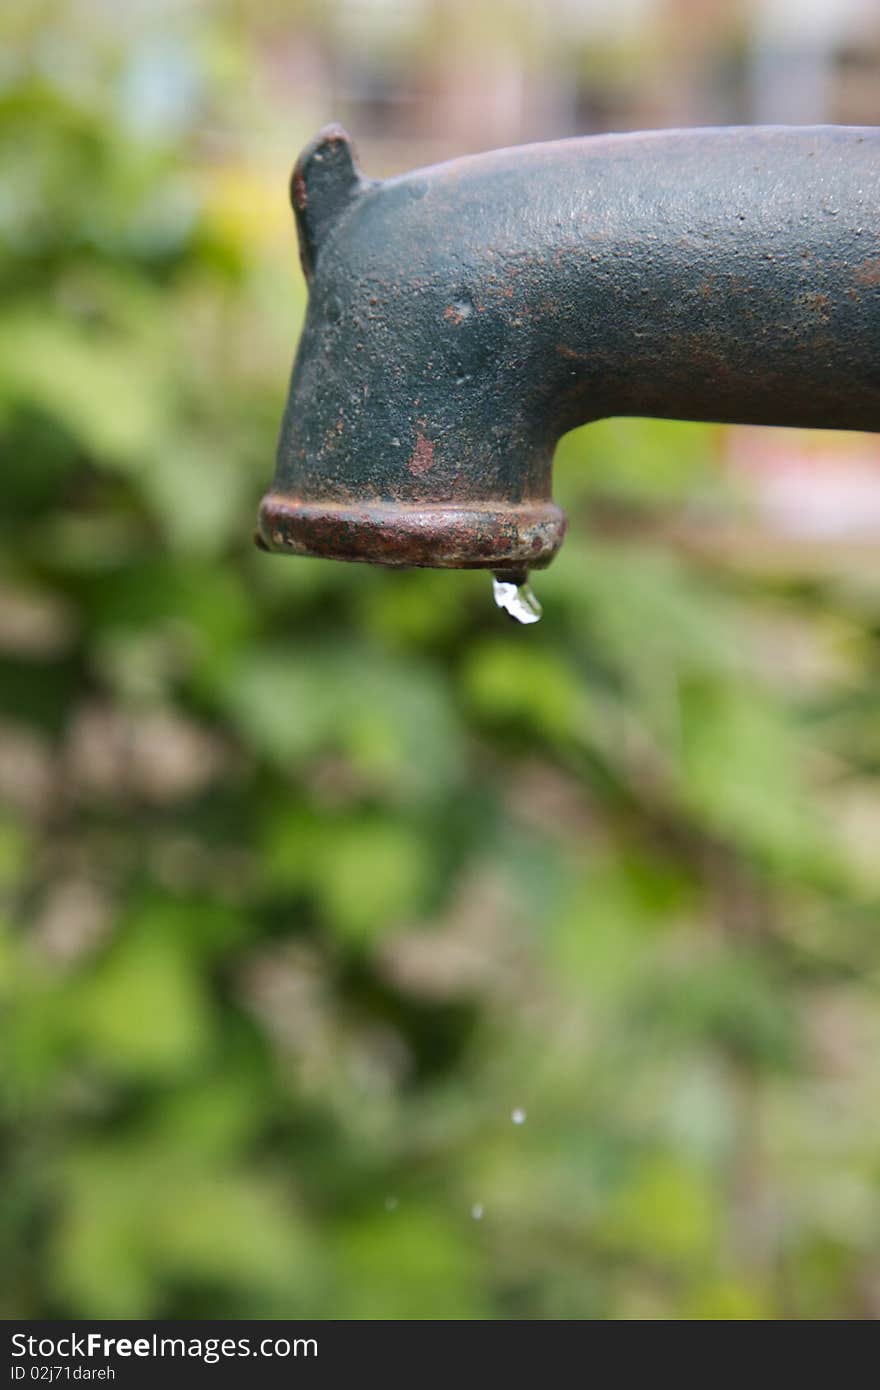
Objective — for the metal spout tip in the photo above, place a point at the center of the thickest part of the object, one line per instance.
(434, 535)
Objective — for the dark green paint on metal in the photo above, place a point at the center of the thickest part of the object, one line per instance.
(461, 318)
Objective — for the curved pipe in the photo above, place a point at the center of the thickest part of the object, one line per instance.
(461, 318)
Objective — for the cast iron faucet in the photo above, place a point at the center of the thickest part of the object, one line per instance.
(461, 318)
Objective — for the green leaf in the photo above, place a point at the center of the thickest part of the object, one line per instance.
(144, 1013)
(106, 393)
(741, 772)
(405, 1263)
(367, 875)
(531, 686)
(665, 1211)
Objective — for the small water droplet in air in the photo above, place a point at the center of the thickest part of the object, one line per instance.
(518, 1116)
(391, 1204)
(478, 1211)
(513, 593)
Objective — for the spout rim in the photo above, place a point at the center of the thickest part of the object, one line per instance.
(487, 535)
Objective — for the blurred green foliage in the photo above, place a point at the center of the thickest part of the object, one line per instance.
(312, 874)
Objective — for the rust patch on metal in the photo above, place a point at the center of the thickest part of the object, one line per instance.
(819, 304)
(299, 189)
(459, 310)
(868, 273)
(422, 458)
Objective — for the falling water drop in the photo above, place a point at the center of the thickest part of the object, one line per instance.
(391, 1203)
(478, 1211)
(518, 1116)
(513, 593)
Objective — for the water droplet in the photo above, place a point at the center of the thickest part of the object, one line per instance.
(513, 593)
(478, 1211)
(391, 1204)
(518, 1116)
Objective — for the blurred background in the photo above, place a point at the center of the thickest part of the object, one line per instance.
(363, 955)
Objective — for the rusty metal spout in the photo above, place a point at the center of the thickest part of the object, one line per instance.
(462, 318)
